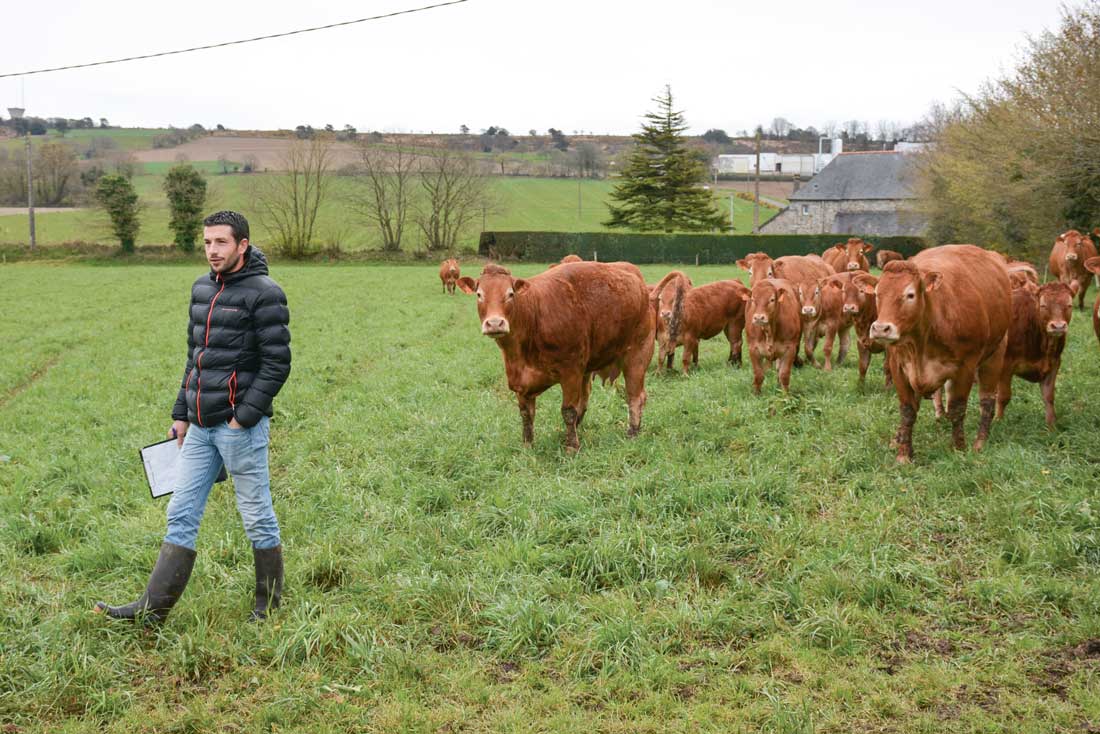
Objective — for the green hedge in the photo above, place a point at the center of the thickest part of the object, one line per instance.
(708, 249)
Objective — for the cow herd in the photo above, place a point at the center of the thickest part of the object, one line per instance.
(945, 319)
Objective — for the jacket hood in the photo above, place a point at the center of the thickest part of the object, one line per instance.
(255, 263)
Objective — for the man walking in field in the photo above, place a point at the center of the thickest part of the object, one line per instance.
(238, 357)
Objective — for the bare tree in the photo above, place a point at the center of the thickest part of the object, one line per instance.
(287, 203)
(780, 127)
(383, 196)
(454, 193)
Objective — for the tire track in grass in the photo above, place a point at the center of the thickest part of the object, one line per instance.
(38, 373)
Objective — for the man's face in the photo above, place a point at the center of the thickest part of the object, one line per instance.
(224, 253)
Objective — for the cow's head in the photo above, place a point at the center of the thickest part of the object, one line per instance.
(758, 265)
(901, 295)
(854, 254)
(1056, 307)
(668, 301)
(497, 292)
(857, 291)
(762, 307)
(1073, 246)
(809, 298)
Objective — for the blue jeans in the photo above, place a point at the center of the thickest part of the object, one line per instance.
(244, 453)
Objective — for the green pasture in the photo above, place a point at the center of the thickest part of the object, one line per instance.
(518, 204)
(126, 139)
(746, 564)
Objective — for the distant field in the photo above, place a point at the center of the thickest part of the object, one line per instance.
(521, 204)
(127, 139)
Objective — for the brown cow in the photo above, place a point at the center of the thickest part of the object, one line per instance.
(1036, 338)
(944, 316)
(773, 327)
(823, 316)
(757, 265)
(802, 271)
(686, 315)
(449, 274)
(1067, 262)
(887, 256)
(560, 326)
(861, 309)
(1093, 266)
(567, 259)
(848, 256)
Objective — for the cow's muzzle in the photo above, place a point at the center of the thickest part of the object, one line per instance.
(853, 266)
(495, 327)
(760, 319)
(1057, 328)
(1071, 257)
(809, 311)
(850, 310)
(884, 332)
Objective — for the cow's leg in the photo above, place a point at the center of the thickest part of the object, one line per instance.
(734, 330)
(572, 388)
(634, 376)
(809, 343)
(586, 392)
(1047, 386)
(908, 405)
(989, 374)
(1081, 293)
(527, 415)
(865, 361)
(785, 363)
(830, 336)
(759, 366)
(691, 353)
(1004, 393)
(957, 392)
(845, 343)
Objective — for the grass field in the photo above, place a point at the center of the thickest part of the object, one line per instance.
(521, 204)
(125, 139)
(747, 564)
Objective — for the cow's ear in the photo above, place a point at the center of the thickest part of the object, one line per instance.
(1096, 231)
(1074, 286)
(834, 284)
(519, 285)
(746, 295)
(1093, 265)
(932, 281)
(867, 247)
(466, 284)
(782, 293)
(744, 265)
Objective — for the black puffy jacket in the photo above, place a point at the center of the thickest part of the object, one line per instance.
(238, 346)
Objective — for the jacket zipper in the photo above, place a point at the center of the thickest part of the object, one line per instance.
(206, 343)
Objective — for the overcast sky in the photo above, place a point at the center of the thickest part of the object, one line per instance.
(573, 65)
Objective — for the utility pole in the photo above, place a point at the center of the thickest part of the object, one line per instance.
(756, 193)
(731, 213)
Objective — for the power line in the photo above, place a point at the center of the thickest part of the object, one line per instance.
(234, 43)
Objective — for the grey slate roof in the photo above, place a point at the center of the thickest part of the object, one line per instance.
(873, 175)
(883, 224)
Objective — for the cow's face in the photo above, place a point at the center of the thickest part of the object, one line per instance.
(763, 303)
(901, 294)
(496, 292)
(1073, 244)
(854, 254)
(758, 265)
(858, 293)
(1055, 308)
(810, 300)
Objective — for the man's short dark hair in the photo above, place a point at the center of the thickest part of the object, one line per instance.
(234, 220)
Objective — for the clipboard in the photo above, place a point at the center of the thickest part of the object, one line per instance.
(161, 463)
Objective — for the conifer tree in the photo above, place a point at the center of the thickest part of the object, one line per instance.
(660, 190)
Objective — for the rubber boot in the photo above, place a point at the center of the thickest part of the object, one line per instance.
(269, 580)
(166, 585)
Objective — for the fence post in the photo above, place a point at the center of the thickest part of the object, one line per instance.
(595, 256)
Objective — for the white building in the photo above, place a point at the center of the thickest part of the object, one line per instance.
(779, 164)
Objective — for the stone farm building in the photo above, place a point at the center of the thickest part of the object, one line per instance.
(866, 194)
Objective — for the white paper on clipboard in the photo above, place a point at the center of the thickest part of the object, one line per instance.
(161, 462)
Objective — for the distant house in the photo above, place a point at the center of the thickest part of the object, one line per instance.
(867, 193)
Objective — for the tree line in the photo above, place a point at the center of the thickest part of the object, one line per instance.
(1019, 161)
